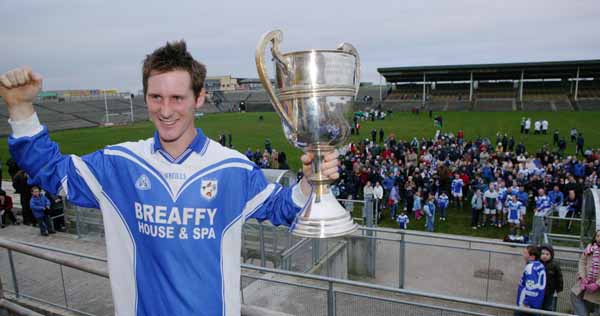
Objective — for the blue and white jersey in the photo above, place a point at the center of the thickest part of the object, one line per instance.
(173, 225)
(556, 197)
(532, 285)
(402, 221)
(457, 185)
(514, 209)
(442, 201)
(502, 194)
(542, 203)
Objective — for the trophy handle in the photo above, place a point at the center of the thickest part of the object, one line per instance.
(275, 37)
(349, 48)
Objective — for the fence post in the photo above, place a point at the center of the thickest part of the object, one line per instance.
(489, 273)
(330, 300)
(62, 278)
(77, 222)
(14, 273)
(402, 261)
(261, 233)
(315, 251)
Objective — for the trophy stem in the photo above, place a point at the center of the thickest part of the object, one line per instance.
(317, 180)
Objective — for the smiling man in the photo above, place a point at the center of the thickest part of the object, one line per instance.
(173, 205)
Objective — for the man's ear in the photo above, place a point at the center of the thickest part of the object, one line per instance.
(201, 98)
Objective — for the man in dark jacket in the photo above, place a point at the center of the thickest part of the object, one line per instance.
(554, 278)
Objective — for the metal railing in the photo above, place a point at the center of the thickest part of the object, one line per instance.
(327, 296)
(36, 251)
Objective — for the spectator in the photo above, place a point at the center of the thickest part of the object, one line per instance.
(585, 296)
(554, 278)
(579, 144)
(6, 213)
(57, 215)
(555, 137)
(490, 198)
(378, 196)
(381, 135)
(417, 205)
(533, 281)
(40, 207)
(476, 208)
(545, 127)
(457, 190)
(514, 214)
(537, 125)
(403, 220)
(442, 204)
(429, 210)
(24, 190)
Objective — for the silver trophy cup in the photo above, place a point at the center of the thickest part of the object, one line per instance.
(314, 99)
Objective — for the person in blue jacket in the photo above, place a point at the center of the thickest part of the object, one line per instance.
(533, 281)
(174, 204)
(40, 206)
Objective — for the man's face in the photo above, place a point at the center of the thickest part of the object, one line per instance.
(35, 192)
(171, 105)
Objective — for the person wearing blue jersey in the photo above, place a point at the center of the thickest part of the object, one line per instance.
(442, 204)
(501, 210)
(40, 206)
(173, 205)
(556, 198)
(457, 189)
(530, 292)
(429, 210)
(403, 220)
(514, 214)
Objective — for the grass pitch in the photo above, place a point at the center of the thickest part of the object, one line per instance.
(250, 132)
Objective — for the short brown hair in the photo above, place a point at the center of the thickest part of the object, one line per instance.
(174, 56)
(534, 251)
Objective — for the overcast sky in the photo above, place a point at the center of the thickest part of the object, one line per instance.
(100, 44)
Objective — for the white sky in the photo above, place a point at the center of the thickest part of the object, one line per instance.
(100, 44)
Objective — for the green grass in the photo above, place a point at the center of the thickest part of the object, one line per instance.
(248, 131)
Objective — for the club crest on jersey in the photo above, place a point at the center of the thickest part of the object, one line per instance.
(143, 183)
(208, 189)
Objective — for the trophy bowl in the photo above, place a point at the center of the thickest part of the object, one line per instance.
(315, 100)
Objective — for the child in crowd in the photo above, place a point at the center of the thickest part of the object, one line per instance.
(40, 206)
(442, 204)
(417, 206)
(554, 278)
(457, 189)
(514, 214)
(533, 281)
(402, 220)
(429, 210)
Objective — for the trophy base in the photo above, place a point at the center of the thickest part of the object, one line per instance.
(323, 217)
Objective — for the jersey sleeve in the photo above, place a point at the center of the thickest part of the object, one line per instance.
(272, 202)
(41, 158)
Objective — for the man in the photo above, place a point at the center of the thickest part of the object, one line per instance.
(173, 205)
(490, 199)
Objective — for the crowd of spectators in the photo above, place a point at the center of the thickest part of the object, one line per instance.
(417, 176)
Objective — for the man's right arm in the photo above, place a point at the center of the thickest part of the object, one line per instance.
(32, 148)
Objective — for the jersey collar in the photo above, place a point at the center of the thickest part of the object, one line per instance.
(198, 145)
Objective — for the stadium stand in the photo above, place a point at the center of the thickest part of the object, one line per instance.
(494, 105)
(534, 86)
